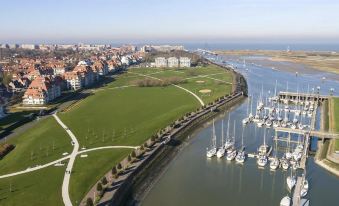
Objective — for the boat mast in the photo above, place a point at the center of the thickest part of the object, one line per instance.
(222, 133)
(234, 132)
(242, 138)
(228, 126)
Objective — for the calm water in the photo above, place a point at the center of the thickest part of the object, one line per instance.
(192, 179)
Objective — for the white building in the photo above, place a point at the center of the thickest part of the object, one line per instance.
(185, 62)
(160, 62)
(28, 46)
(125, 60)
(173, 62)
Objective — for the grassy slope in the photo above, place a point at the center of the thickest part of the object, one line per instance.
(87, 171)
(38, 140)
(336, 118)
(42, 187)
(103, 118)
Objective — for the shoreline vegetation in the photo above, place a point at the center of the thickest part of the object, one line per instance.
(326, 61)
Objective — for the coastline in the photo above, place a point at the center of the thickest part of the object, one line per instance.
(137, 181)
(289, 62)
(327, 162)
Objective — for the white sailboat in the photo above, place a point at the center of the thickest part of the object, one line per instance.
(240, 158)
(231, 152)
(305, 186)
(285, 201)
(228, 142)
(274, 164)
(246, 119)
(213, 150)
(221, 150)
(262, 151)
(291, 180)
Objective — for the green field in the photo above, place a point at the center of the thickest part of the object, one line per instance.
(336, 119)
(42, 187)
(35, 147)
(89, 169)
(119, 113)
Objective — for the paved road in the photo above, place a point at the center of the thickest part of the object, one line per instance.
(67, 177)
(196, 96)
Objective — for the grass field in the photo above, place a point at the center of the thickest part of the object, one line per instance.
(35, 146)
(42, 187)
(117, 114)
(336, 119)
(87, 171)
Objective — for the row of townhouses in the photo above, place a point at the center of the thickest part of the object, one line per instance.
(172, 62)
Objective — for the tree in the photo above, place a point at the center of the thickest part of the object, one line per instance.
(89, 202)
(114, 172)
(104, 180)
(99, 187)
(119, 166)
(142, 147)
(133, 154)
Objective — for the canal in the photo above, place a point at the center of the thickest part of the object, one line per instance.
(192, 179)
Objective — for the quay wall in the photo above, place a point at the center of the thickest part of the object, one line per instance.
(134, 186)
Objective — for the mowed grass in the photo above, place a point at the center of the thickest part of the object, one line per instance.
(41, 144)
(336, 119)
(42, 187)
(126, 116)
(88, 170)
(213, 78)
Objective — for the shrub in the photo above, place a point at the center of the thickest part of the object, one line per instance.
(99, 187)
(89, 202)
(133, 154)
(104, 180)
(5, 149)
(114, 172)
(119, 166)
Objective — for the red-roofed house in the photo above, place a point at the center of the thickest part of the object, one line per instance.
(41, 91)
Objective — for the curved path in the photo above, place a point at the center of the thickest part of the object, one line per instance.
(67, 177)
(186, 90)
(32, 169)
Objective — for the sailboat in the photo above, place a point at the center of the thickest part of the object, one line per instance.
(291, 180)
(221, 150)
(228, 142)
(231, 152)
(285, 201)
(250, 116)
(288, 154)
(211, 152)
(262, 151)
(305, 186)
(274, 164)
(240, 158)
(246, 119)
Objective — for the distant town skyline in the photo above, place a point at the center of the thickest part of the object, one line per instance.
(133, 21)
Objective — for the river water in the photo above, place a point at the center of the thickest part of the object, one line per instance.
(192, 179)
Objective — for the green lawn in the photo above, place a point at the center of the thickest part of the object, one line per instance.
(42, 187)
(336, 118)
(87, 171)
(35, 146)
(126, 116)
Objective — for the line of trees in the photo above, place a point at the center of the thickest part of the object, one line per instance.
(158, 83)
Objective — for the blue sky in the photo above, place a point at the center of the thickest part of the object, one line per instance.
(49, 21)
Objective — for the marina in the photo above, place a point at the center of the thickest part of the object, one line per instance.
(287, 150)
